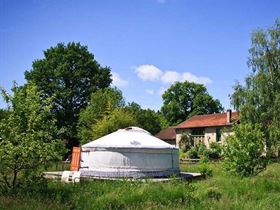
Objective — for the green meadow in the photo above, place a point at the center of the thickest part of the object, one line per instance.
(220, 191)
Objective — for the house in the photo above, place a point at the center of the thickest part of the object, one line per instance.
(207, 128)
(168, 135)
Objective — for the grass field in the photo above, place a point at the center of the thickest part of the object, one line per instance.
(222, 191)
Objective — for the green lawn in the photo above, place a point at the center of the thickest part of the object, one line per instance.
(222, 191)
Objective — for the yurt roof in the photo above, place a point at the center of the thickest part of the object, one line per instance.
(131, 137)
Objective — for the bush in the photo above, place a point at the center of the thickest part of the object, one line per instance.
(215, 150)
(202, 150)
(193, 153)
(186, 142)
(205, 170)
(244, 151)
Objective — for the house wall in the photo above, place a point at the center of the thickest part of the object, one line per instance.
(210, 134)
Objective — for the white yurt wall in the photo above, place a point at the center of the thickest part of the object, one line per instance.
(130, 152)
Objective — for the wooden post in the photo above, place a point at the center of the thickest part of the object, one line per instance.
(76, 156)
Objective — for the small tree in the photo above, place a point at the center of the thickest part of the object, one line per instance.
(118, 119)
(27, 137)
(102, 103)
(244, 150)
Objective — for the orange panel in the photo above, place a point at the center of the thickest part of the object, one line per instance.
(76, 156)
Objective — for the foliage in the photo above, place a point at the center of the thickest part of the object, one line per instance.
(28, 138)
(205, 170)
(147, 119)
(71, 73)
(193, 153)
(186, 142)
(215, 150)
(102, 103)
(259, 99)
(186, 99)
(202, 152)
(118, 119)
(244, 150)
(3, 113)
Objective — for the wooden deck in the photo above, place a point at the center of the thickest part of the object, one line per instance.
(56, 175)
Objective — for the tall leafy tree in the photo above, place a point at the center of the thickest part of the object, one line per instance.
(147, 119)
(185, 99)
(28, 137)
(102, 103)
(259, 99)
(70, 73)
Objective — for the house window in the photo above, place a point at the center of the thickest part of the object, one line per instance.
(218, 134)
(198, 132)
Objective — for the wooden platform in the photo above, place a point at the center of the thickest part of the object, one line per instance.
(56, 175)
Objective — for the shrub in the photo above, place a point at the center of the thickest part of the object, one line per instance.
(193, 153)
(205, 170)
(186, 142)
(202, 150)
(215, 150)
(244, 151)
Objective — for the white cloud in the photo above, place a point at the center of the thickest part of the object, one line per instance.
(153, 73)
(169, 77)
(150, 91)
(117, 80)
(193, 78)
(148, 72)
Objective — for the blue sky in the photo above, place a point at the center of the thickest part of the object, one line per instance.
(147, 43)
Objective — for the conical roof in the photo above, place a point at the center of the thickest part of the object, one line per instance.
(131, 137)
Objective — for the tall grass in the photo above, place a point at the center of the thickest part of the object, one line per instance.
(222, 191)
(259, 192)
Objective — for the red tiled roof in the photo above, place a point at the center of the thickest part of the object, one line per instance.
(167, 134)
(208, 120)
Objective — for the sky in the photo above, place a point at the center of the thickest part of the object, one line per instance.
(148, 44)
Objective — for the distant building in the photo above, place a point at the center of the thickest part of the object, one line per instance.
(202, 128)
(168, 135)
(207, 128)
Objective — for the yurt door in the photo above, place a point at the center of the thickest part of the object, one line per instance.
(76, 156)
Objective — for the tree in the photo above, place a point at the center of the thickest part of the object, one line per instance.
(70, 73)
(147, 119)
(186, 99)
(259, 99)
(118, 119)
(28, 139)
(102, 103)
(3, 114)
(244, 150)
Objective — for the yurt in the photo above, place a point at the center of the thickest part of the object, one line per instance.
(132, 153)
